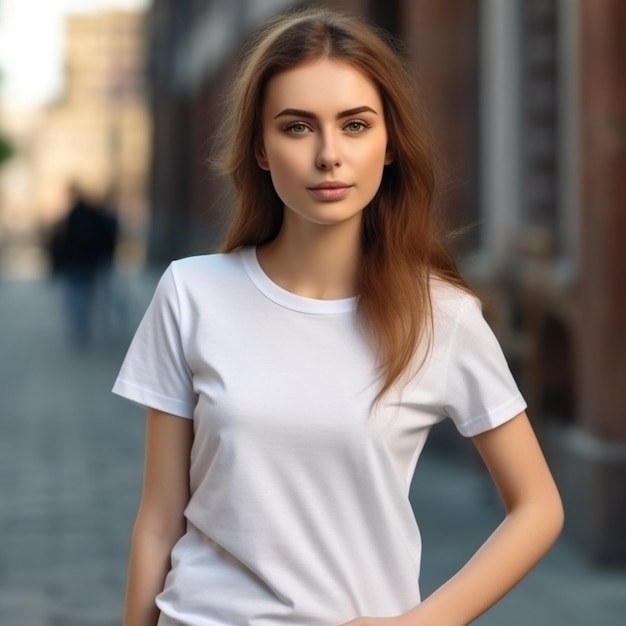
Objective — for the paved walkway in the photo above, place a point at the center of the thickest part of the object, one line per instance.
(70, 463)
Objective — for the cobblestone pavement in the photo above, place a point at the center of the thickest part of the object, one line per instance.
(70, 463)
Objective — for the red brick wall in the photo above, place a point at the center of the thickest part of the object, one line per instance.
(602, 290)
(442, 38)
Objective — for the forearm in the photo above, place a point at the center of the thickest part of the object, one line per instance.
(505, 558)
(148, 565)
(160, 519)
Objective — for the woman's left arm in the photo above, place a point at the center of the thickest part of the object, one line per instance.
(534, 518)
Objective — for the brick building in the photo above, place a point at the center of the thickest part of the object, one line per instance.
(528, 102)
(98, 132)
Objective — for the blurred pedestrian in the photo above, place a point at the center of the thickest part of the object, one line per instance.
(292, 380)
(81, 246)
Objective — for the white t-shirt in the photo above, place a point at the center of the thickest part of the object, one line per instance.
(299, 511)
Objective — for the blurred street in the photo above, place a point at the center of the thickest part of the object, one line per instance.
(71, 457)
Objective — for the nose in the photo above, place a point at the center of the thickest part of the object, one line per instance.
(328, 155)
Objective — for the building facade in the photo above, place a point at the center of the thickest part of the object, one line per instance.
(528, 103)
(96, 134)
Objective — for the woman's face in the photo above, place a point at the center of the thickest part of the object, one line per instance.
(324, 141)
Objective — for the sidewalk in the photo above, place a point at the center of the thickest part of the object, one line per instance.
(70, 463)
(70, 470)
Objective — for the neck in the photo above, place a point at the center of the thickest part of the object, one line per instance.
(319, 262)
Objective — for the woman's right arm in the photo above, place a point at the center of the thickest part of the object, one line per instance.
(160, 520)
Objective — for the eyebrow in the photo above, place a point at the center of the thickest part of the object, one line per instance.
(309, 115)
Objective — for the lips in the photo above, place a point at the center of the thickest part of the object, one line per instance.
(330, 184)
(330, 190)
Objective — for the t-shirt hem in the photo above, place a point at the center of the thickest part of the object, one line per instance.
(150, 399)
(494, 418)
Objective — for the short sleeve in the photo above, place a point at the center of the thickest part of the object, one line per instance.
(480, 390)
(155, 372)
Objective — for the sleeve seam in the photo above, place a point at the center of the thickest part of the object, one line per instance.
(457, 323)
(495, 417)
(123, 388)
(180, 321)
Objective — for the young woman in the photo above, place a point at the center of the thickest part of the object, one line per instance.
(292, 380)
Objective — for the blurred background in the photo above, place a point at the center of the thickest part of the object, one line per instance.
(107, 109)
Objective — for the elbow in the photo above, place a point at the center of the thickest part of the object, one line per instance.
(544, 516)
(553, 510)
(550, 517)
(557, 514)
(166, 525)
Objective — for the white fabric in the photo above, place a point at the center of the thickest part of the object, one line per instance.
(299, 510)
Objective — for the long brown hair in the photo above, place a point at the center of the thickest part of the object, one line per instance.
(402, 245)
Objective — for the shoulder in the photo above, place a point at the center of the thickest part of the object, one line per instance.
(451, 304)
(195, 282)
(459, 322)
(207, 263)
(206, 269)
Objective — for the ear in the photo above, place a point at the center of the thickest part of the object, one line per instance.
(261, 158)
(389, 156)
